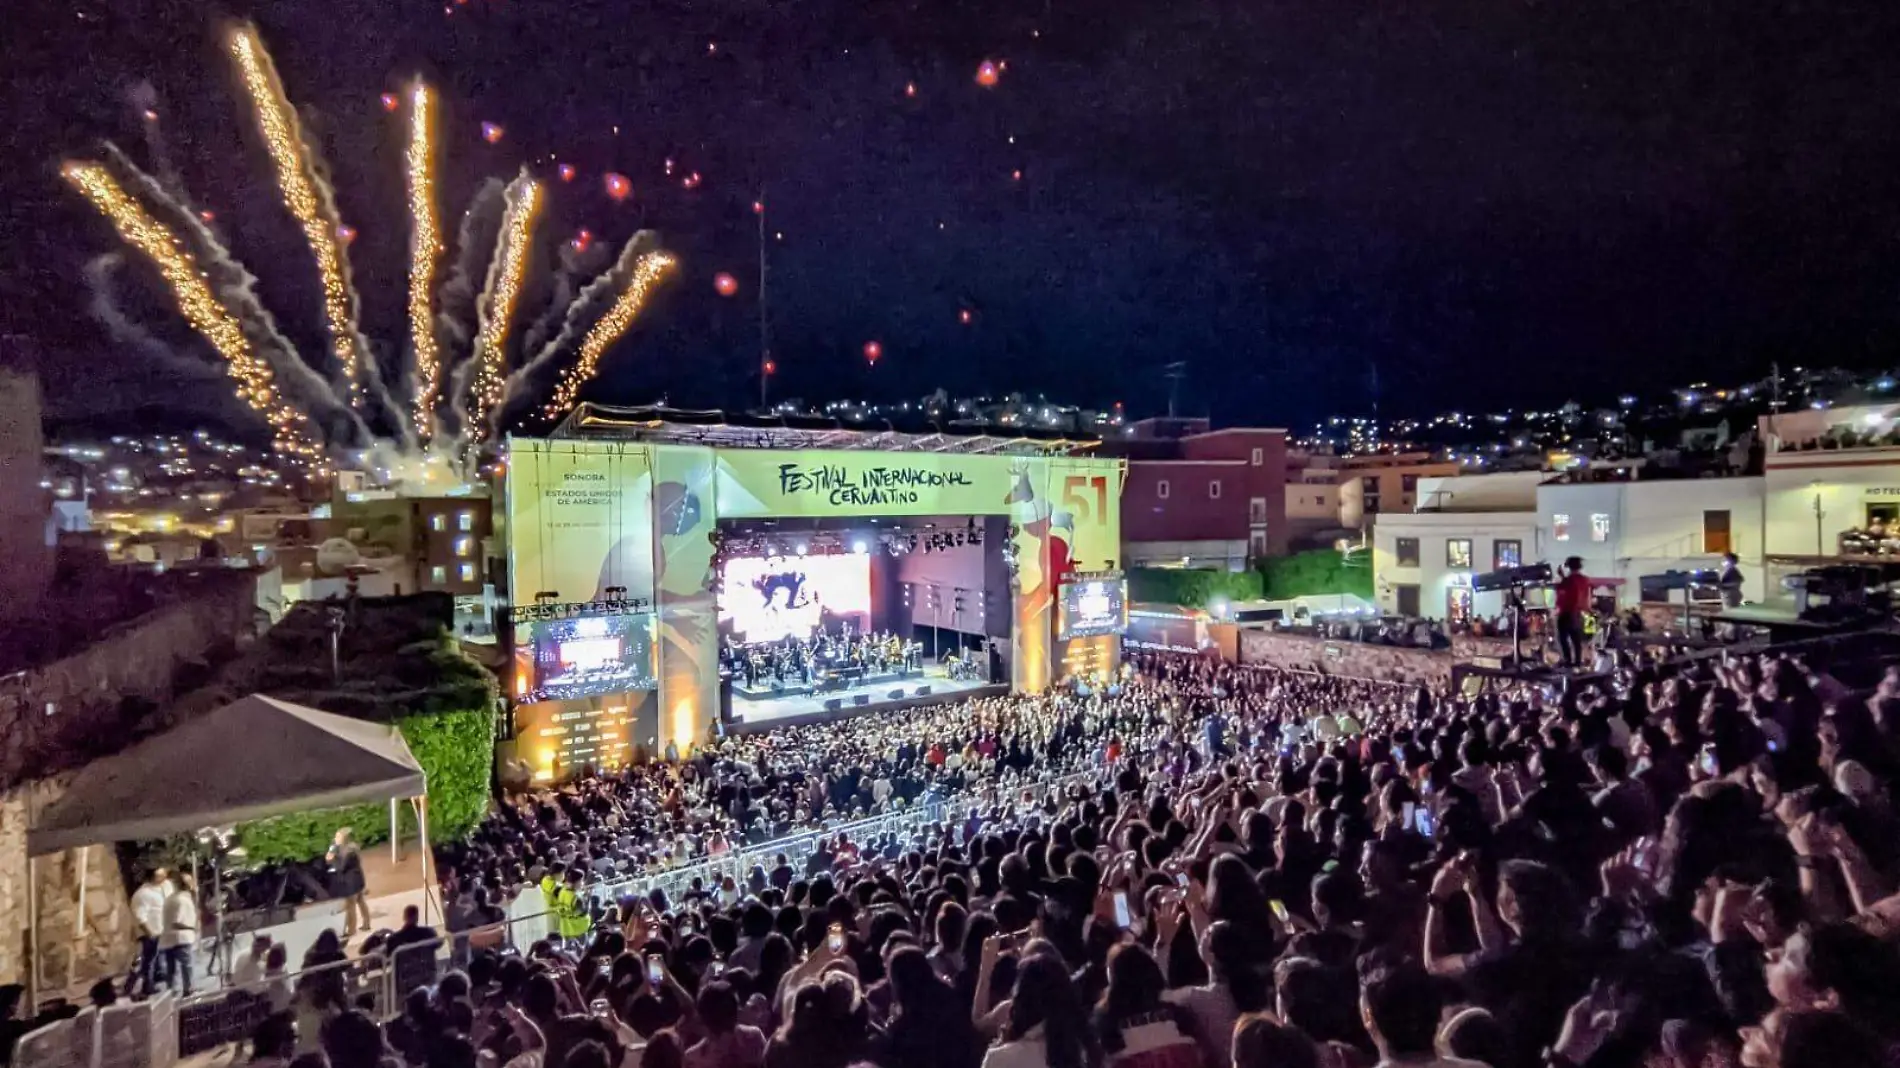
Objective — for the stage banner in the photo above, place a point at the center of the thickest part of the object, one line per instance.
(821, 483)
(684, 514)
(580, 520)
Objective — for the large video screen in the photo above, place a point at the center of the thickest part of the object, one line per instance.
(591, 655)
(765, 599)
(1093, 606)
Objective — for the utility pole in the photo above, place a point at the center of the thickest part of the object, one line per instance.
(1174, 372)
(765, 332)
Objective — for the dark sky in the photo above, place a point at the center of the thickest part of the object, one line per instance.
(1495, 202)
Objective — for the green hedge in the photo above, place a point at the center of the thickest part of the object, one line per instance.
(455, 747)
(1191, 588)
(401, 666)
(1316, 573)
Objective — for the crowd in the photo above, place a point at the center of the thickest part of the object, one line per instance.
(1689, 865)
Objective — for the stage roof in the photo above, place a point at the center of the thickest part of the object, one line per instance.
(722, 430)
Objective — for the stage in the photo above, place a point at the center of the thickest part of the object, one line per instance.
(929, 686)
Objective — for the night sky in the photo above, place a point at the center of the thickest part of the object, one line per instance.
(1493, 202)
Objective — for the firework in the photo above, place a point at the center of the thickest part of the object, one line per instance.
(608, 329)
(503, 292)
(200, 307)
(425, 246)
(460, 338)
(308, 199)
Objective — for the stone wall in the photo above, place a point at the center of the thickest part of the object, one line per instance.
(76, 947)
(61, 714)
(55, 718)
(1358, 659)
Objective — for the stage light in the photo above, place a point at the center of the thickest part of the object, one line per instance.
(859, 546)
(803, 548)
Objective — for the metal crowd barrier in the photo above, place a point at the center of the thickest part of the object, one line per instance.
(128, 1035)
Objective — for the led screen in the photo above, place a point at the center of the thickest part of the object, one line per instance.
(592, 655)
(1094, 606)
(764, 599)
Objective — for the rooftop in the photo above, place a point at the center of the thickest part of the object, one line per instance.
(790, 431)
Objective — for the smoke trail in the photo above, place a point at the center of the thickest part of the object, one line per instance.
(455, 304)
(595, 301)
(608, 329)
(500, 296)
(236, 286)
(143, 97)
(104, 306)
(256, 386)
(573, 265)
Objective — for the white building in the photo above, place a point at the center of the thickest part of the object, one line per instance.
(1465, 525)
(1424, 562)
(1627, 530)
(1819, 486)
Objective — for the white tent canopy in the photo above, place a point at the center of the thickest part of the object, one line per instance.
(253, 758)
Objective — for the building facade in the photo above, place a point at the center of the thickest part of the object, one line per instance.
(1425, 562)
(1203, 498)
(1331, 497)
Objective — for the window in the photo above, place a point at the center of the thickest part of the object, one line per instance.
(1408, 552)
(1213, 490)
(1408, 599)
(1458, 605)
(1257, 511)
(465, 521)
(1507, 552)
(1370, 485)
(1458, 554)
(1599, 526)
(438, 521)
(1715, 532)
(1259, 457)
(468, 572)
(438, 574)
(464, 546)
(1408, 483)
(1560, 527)
(1257, 544)
(1161, 488)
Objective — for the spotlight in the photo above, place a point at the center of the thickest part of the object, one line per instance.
(803, 548)
(859, 547)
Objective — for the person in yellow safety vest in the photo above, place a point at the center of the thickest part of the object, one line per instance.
(572, 920)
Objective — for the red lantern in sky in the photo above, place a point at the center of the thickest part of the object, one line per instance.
(618, 186)
(691, 181)
(390, 102)
(566, 171)
(988, 74)
(758, 207)
(771, 367)
(725, 283)
(872, 351)
(964, 316)
(491, 133)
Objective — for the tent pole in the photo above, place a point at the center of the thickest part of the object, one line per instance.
(422, 827)
(79, 920)
(32, 1006)
(395, 833)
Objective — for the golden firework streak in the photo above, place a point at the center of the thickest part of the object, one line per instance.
(296, 176)
(497, 315)
(425, 246)
(646, 274)
(207, 315)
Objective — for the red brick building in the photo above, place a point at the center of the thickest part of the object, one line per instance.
(1199, 497)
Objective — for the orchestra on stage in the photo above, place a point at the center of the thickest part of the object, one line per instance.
(822, 662)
